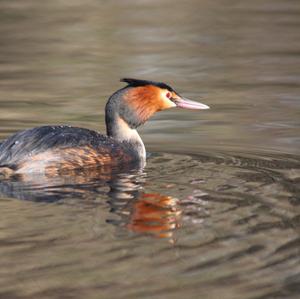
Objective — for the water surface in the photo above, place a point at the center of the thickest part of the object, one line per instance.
(216, 211)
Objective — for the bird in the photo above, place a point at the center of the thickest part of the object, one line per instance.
(52, 150)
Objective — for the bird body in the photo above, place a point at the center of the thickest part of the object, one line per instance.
(52, 150)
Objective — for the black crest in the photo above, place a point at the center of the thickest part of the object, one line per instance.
(138, 82)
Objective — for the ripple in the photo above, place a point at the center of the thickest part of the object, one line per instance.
(206, 219)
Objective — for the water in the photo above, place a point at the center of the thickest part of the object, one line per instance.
(216, 211)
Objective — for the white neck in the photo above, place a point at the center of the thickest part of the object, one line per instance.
(122, 132)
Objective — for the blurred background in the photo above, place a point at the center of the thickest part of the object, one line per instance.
(60, 60)
(215, 214)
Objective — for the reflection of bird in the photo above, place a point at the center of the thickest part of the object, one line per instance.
(135, 209)
(59, 149)
(155, 214)
(141, 212)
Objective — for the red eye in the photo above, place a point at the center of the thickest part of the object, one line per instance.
(168, 95)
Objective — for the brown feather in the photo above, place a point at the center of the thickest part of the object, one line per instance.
(145, 100)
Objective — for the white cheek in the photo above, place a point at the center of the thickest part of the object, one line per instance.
(167, 103)
(170, 103)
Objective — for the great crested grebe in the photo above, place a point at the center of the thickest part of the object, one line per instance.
(55, 149)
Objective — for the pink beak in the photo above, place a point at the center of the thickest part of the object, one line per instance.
(188, 104)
